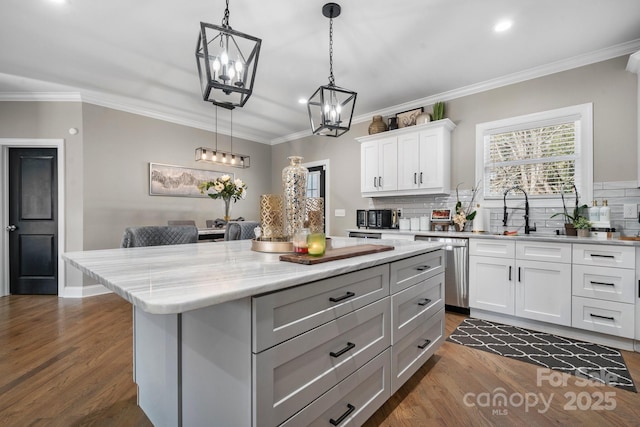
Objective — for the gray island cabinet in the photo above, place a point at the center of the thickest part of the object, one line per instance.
(227, 336)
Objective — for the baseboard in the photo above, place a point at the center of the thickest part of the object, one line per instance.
(565, 331)
(84, 291)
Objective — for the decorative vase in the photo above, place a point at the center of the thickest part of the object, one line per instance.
(393, 123)
(423, 118)
(377, 125)
(227, 208)
(294, 183)
(271, 216)
(315, 214)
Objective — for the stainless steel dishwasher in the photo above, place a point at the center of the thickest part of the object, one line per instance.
(456, 275)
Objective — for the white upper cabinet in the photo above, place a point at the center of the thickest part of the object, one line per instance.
(379, 165)
(421, 161)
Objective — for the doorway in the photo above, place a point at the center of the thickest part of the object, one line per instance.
(33, 221)
(41, 265)
(318, 186)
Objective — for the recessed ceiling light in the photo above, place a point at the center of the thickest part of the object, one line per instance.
(502, 26)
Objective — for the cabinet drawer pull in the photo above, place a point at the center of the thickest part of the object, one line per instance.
(350, 409)
(601, 283)
(509, 273)
(343, 297)
(424, 344)
(379, 181)
(375, 182)
(423, 268)
(601, 317)
(420, 177)
(424, 301)
(349, 346)
(519, 279)
(603, 256)
(415, 178)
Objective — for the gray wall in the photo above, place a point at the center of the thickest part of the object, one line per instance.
(611, 89)
(118, 149)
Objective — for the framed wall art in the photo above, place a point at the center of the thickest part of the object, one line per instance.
(408, 118)
(441, 215)
(170, 180)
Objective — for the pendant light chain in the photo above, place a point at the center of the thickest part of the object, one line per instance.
(225, 19)
(332, 81)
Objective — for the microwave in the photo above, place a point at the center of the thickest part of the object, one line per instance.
(382, 218)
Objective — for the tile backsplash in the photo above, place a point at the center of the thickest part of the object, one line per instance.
(617, 193)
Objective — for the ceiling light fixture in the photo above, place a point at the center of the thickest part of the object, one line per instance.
(226, 158)
(227, 62)
(331, 107)
(502, 26)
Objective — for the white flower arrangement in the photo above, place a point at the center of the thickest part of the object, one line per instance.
(225, 188)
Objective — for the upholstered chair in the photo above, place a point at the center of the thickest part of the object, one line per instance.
(241, 230)
(159, 235)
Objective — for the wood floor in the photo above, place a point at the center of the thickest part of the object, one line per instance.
(68, 362)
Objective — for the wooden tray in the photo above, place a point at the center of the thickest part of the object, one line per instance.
(335, 254)
(636, 238)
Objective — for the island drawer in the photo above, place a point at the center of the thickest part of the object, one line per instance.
(416, 304)
(412, 351)
(411, 271)
(607, 317)
(293, 374)
(608, 283)
(544, 251)
(604, 255)
(493, 248)
(353, 400)
(285, 314)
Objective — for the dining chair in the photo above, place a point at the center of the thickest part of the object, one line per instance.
(181, 222)
(240, 230)
(157, 235)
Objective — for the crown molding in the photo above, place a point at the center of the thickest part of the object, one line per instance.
(532, 73)
(41, 96)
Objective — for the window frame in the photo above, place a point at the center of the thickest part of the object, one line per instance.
(582, 114)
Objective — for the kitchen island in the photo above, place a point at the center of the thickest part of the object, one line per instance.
(227, 336)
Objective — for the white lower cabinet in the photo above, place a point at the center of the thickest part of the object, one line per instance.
(333, 351)
(526, 279)
(604, 289)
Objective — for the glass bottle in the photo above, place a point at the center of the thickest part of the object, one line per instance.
(294, 183)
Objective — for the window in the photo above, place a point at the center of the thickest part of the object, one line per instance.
(545, 154)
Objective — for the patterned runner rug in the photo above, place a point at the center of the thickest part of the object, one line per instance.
(583, 359)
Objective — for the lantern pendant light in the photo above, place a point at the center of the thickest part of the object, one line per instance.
(227, 62)
(331, 107)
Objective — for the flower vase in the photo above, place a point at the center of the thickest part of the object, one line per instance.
(227, 208)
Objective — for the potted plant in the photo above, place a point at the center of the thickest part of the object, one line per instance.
(583, 225)
(574, 217)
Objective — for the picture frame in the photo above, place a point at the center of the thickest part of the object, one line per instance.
(179, 181)
(441, 215)
(408, 118)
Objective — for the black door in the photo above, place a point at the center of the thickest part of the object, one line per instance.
(33, 222)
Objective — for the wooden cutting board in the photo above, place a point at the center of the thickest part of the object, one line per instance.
(335, 254)
(629, 238)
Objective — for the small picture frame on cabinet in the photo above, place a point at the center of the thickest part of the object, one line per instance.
(408, 118)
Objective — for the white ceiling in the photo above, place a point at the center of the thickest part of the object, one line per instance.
(138, 55)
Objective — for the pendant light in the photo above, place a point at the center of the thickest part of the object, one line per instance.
(331, 107)
(227, 62)
(220, 157)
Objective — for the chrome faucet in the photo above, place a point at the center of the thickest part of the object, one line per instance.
(527, 229)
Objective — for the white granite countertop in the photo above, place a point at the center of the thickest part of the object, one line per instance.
(483, 235)
(179, 278)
